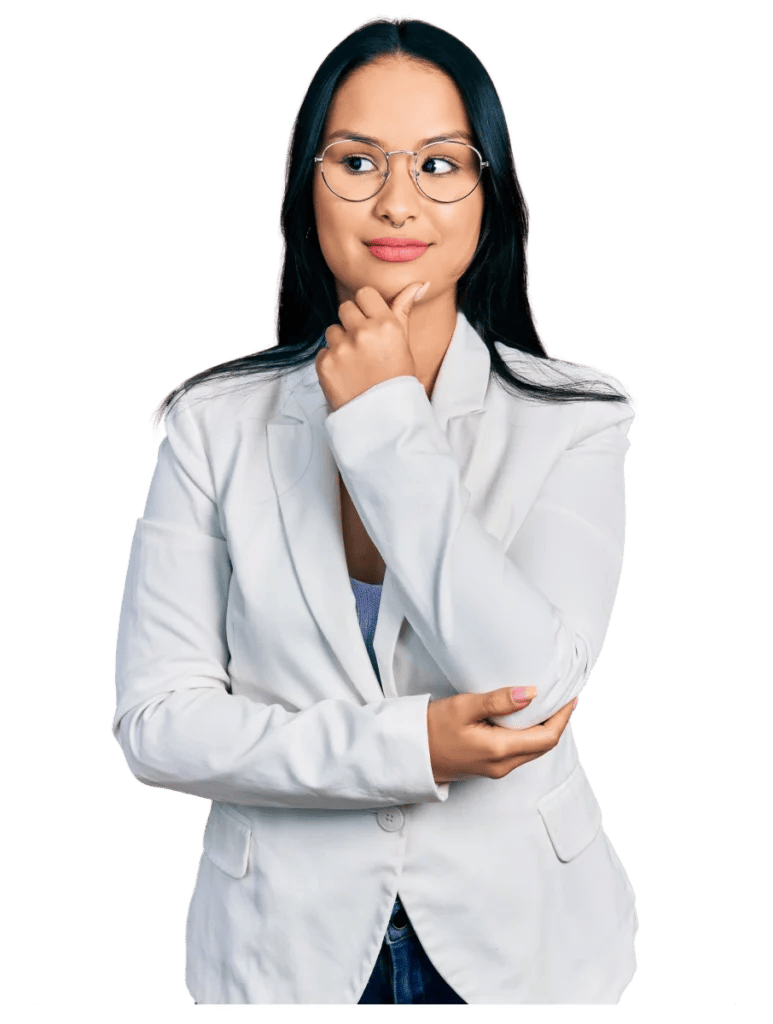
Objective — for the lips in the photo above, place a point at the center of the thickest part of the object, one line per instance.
(397, 250)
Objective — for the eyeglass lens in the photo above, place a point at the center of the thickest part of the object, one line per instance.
(448, 171)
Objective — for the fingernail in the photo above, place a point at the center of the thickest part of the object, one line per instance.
(574, 703)
(523, 692)
(421, 291)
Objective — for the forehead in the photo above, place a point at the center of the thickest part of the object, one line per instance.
(400, 102)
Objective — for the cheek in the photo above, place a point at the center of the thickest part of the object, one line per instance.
(462, 241)
(326, 227)
(326, 212)
(331, 236)
(331, 221)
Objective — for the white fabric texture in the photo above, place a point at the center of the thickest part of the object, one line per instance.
(242, 678)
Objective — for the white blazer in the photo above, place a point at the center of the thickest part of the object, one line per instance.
(242, 677)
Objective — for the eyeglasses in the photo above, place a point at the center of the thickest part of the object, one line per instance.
(454, 169)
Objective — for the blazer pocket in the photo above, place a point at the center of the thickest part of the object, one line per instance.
(571, 814)
(227, 841)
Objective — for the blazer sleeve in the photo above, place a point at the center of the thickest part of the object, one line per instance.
(535, 613)
(177, 722)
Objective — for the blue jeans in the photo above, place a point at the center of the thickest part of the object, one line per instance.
(403, 972)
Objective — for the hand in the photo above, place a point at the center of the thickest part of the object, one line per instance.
(372, 346)
(463, 745)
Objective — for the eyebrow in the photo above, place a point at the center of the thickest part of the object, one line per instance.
(377, 142)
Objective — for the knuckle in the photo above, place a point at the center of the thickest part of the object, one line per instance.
(499, 746)
(489, 703)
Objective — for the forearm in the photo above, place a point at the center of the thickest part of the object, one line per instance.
(333, 755)
(480, 615)
(181, 728)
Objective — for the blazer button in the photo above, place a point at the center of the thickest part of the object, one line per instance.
(391, 819)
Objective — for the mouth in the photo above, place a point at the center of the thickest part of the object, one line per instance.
(397, 250)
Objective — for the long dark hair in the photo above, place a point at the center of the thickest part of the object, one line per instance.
(492, 292)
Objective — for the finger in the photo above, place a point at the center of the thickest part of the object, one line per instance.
(502, 701)
(538, 738)
(535, 740)
(350, 314)
(334, 335)
(564, 712)
(557, 721)
(404, 301)
(371, 301)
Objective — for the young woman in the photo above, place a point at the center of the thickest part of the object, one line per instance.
(366, 590)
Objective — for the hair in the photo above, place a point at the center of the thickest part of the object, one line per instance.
(492, 292)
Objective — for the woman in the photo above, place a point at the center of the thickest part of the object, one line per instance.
(367, 589)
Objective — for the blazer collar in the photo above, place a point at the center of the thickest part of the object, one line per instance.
(305, 474)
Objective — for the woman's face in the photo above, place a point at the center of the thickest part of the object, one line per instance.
(399, 103)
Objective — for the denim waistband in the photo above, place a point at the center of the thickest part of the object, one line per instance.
(398, 932)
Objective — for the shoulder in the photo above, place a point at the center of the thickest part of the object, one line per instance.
(553, 371)
(220, 406)
(219, 425)
(580, 419)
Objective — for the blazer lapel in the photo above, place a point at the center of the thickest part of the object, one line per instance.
(305, 474)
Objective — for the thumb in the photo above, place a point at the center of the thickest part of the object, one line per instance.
(403, 302)
(503, 701)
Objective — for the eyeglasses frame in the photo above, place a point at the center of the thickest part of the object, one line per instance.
(414, 172)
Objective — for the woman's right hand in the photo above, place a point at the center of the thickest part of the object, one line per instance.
(463, 744)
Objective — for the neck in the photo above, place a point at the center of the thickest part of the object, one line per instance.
(431, 327)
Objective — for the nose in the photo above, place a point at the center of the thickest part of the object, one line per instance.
(400, 196)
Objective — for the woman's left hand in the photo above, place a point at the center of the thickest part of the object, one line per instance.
(372, 346)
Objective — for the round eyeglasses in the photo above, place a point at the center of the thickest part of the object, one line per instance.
(443, 171)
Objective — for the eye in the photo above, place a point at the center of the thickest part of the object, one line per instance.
(439, 160)
(356, 159)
